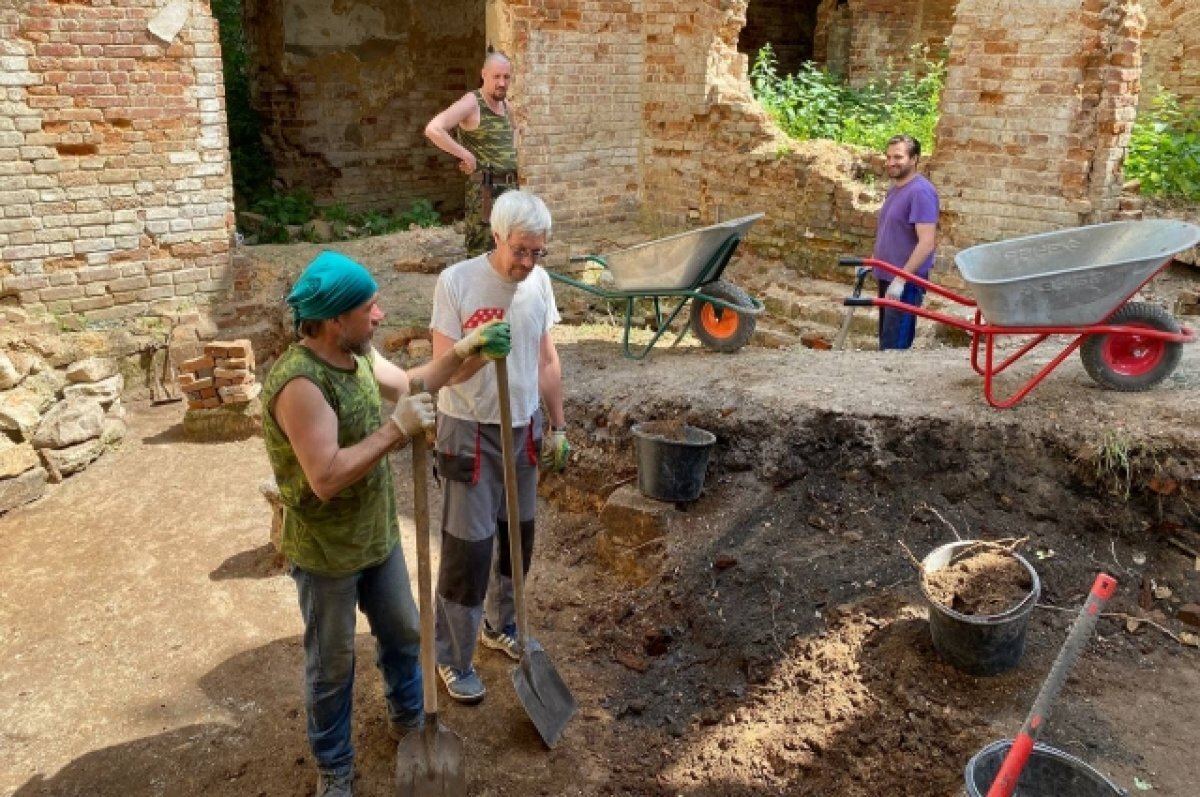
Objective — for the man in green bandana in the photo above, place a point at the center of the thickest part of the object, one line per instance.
(486, 147)
(327, 439)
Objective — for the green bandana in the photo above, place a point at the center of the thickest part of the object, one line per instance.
(331, 285)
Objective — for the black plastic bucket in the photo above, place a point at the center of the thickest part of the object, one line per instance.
(670, 469)
(985, 644)
(1048, 773)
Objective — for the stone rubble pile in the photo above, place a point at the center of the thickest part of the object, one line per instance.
(54, 421)
(224, 374)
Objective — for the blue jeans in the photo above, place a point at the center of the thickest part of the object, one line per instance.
(328, 606)
(896, 327)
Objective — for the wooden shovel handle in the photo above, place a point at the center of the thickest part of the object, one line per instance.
(511, 495)
(424, 570)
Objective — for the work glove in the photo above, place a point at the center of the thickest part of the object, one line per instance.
(896, 289)
(556, 451)
(414, 414)
(493, 340)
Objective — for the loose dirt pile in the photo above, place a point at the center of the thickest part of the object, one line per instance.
(983, 582)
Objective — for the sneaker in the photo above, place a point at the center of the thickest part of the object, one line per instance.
(399, 727)
(465, 686)
(504, 640)
(335, 785)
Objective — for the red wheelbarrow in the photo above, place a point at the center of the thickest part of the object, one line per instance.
(1075, 282)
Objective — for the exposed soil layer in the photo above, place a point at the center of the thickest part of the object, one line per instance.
(982, 582)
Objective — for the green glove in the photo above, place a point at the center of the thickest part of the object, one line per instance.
(492, 340)
(555, 452)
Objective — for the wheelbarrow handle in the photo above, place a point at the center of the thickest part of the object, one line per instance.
(849, 260)
(858, 301)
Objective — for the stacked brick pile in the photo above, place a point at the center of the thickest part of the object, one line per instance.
(224, 374)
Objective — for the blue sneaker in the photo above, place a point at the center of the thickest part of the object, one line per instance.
(504, 640)
(464, 686)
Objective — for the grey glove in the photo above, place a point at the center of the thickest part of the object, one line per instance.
(414, 414)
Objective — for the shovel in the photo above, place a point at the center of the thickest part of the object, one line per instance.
(429, 760)
(547, 700)
(1010, 771)
(839, 342)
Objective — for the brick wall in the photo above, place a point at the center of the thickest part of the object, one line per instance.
(347, 88)
(883, 33)
(1035, 116)
(116, 198)
(1171, 48)
(579, 71)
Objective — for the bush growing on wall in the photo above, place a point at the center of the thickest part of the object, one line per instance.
(1164, 149)
(815, 104)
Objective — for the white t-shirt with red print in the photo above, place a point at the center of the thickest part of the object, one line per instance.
(470, 294)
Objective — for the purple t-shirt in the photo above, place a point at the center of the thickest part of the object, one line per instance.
(915, 202)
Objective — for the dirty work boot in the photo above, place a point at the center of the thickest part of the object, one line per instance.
(504, 640)
(399, 727)
(465, 686)
(329, 785)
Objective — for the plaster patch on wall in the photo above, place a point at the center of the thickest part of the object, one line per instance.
(167, 23)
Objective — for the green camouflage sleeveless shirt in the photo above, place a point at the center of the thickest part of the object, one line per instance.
(357, 528)
(492, 142)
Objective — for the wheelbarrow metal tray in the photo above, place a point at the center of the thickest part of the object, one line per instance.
(1075, 277)
(675, 262)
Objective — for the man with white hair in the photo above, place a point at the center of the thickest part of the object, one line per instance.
(506, 283)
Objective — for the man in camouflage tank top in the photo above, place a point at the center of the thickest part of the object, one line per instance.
(327, 438)
(486, 147)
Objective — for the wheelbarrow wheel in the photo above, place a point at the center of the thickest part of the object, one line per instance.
(720, 328)
(1130, 362)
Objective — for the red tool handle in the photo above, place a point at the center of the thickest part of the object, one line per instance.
(1014, 763)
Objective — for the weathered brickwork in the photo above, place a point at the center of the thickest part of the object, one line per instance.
(884, 33)
(346, 90)
(579, 94)
(116, 198)
(1171, 48)
(1035, 117)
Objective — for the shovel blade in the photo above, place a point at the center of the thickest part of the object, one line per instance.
(547, 700)
(429, 763)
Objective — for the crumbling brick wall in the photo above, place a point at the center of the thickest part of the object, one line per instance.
(116, 198)
(1036, 114)
(884, 33)
(580, 73)
(1171, 49)
(347, 88)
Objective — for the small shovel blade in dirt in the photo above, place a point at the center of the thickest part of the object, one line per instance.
(547, 700)
(541, 690)
(429, 761)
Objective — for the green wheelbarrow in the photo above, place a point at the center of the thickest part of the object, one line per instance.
(676, 270)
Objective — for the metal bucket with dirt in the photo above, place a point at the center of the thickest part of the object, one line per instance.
(1048, 773)
(978, 641)
(672, 459)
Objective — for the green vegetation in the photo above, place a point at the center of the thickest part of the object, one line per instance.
(253, 171)
(815, 104)
(1164, 149)
(296, 208)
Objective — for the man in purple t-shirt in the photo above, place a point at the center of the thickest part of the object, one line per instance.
(905, 236)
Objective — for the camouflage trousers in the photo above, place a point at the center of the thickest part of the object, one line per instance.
(477, 231)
